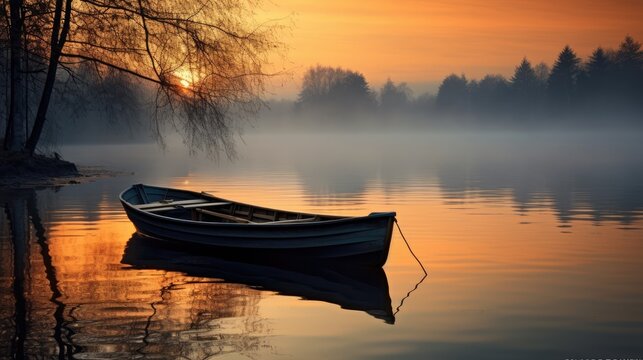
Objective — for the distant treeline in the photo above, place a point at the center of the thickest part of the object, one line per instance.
(607, 88)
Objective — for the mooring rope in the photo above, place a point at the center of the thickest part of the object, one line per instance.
(409, 247)
(418, 261)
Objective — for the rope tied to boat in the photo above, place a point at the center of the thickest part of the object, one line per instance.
(409, 247)
(418, 261)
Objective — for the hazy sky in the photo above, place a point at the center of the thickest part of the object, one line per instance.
(421, 42)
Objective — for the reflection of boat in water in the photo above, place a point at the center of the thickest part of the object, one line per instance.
(354, 288)
(201, 219)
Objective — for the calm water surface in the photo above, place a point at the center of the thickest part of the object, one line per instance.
(533, 242)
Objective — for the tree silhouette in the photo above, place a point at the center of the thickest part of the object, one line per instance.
(524, 78)
(542, 72)
(595, 83)
(204, 58)
(525, 89)
(561, 86)
(490, 95)
(629, 55)
(453, 94)
(629, 72)
(394, 97)
(597, 67)
(327, 89)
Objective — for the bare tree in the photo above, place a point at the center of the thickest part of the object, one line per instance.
(203, 58)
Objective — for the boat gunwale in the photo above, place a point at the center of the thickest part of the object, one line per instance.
(340, 220)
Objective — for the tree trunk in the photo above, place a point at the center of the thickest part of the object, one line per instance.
(58, 38)
(41, 115)
(15, 132)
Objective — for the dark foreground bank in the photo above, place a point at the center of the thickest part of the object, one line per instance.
(23, 171)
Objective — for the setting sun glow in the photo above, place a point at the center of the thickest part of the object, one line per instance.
(424, 41)
(185, 77)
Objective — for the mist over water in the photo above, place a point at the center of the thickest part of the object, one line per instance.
(591, 173)
(532, 241)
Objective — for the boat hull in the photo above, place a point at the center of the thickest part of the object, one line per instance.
(360, 240)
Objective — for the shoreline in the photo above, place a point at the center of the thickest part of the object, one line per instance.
(85, 174)
(19, 171)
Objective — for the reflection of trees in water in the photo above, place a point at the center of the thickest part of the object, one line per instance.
(53, 307)
(185, 318)
(596, 192)
(596, 177)
(33, 272)
(192, 318)
(7, 300)
(340, 181)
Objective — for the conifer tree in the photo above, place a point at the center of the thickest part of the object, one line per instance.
(561, 86)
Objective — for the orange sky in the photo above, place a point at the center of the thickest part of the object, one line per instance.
(421, 42)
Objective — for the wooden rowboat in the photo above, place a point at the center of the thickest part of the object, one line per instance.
(203, 220)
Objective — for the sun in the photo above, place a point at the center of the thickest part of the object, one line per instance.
(185, 83)
(185, 78)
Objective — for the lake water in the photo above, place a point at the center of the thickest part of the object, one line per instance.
(533, 244)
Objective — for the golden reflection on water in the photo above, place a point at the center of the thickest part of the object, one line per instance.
(111, 309)
(498, 274)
